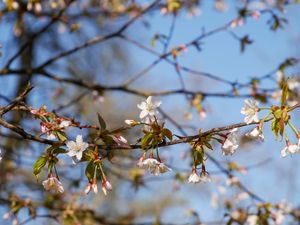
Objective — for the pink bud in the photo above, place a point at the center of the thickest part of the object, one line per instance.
(106, 184)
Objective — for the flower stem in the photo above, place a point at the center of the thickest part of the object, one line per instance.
(265, 118)
(293, 128)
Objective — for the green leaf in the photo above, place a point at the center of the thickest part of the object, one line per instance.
(208, 145)
(146, 140)
(285, 89)
(101, 122)
(277, 114)
(39, 164)
(61, 135)
(59, 151)
(275, 127)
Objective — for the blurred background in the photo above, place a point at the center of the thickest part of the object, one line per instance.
(156, 53)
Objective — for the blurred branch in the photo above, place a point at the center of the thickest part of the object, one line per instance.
(37, 34)
(98, 39)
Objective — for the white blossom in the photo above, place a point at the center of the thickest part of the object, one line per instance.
(278, 217)
(204, 177)
(290, 149)
(153, 166)
(252, 220)
(230, 144)
(148, 164)
(194, 178)
(250, 111)
(77, 148)
(52, 183)
(148, 107)
(256, 133)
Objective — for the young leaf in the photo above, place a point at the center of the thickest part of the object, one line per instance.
(38, 165)
(146, 140)
(208, 145)
(59, 151)
(285, 90)
(275, 127)
(61, 135)
(101, 122)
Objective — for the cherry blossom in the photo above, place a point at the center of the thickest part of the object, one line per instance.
(148, 107)
(153, 166)
(250, 111)
(230, 145)
(256, 133)
(204, 177)
(194, 178)
(252, 220)
(278, 217)
(77, 148)
(290, 149)
(52, 183)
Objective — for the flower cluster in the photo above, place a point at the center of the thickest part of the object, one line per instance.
(154, 134)
(51, 125)
(203, 178)
(153, 166)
